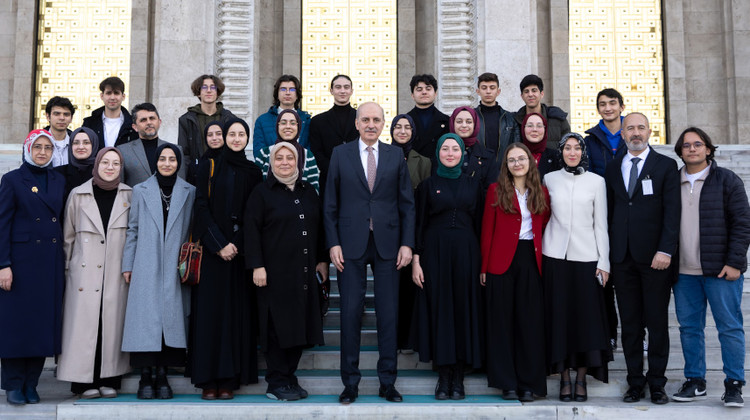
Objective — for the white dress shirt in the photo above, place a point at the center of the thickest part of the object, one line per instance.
(626, 165)
(60, 154)
(526, 232)
(363, 153)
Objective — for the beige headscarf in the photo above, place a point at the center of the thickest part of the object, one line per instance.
(291, 180)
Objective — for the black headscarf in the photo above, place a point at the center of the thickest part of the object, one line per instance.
(583, 165)
(87, 163)
(300, 150)
(211, 153)
(238, 158)
(168, 181)
(406, 147)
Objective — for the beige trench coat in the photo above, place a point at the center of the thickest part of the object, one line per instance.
(93, 281)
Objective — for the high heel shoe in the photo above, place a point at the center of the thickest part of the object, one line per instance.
(581, 397)
(565, 397)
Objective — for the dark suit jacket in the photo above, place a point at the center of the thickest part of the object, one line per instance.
(426, 141)
(349, 205)
(644, 224)
(135, 167)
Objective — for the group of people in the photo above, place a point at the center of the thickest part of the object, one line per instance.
(494, 238)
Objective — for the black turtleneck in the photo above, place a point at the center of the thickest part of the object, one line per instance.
(342, 114)
(149, 146)
(105, 200)
(425, 114)
(491, 128)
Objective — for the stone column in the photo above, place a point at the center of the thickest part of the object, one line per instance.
(17, 78)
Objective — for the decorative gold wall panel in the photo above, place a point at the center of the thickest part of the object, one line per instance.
(79, 44)
(356, 38)
(617, 44)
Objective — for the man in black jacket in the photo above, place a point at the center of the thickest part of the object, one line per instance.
(333, 127)
(532, 93)
(430, 123)
(497, 127)
(714, 237)
(111, 122)
(643, 197)
(208, 88)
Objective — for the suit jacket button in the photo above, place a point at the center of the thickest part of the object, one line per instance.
(38, 219)
(54, 219)
(304, 287)
(83, 265)
(54, 240)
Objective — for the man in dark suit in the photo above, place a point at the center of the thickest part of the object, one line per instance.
(430, 123)
(369, 219)
(643, 194)
(333, 127)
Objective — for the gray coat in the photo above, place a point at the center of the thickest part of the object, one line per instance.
(135, 163)
(157, 302)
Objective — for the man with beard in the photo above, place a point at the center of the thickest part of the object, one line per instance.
(139, 156)
(643, 196)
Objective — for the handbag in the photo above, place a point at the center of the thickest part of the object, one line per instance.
(191, 253)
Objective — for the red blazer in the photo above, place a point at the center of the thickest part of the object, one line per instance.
(500, 233)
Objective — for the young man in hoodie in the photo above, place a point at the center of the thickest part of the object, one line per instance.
(532, 93)
(208, 88)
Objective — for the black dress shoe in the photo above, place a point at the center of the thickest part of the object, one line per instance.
(32, 397)
(634, 394)
(15, 397)
(390, 393)
(163, 390)
(510, 394)
(145, 385)
(526, 396)
(348, 395)
(658, 396)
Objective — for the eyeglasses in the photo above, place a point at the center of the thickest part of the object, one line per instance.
(537, 126)
(697, 145)
(293, 123)
(283, 89)
(207, 87)
(519, 161)
(39, 147)
(106, 164)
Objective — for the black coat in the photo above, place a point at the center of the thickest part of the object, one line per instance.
(724, 222)
(480, 163)
(95, 123)
(426, 138)
(284, 234)
(600, 151)
(326, 133)
(644, 224)
(557, 123)
(222, 319)
(190, 137)
(548, 162)
(73, 177)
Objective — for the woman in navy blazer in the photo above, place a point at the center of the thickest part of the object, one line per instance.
(31, 268)
(515, 213)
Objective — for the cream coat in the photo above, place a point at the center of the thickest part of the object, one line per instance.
(94, 282)
(577, 230)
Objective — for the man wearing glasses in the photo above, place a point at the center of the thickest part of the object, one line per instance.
(208, 88)
(287, 94)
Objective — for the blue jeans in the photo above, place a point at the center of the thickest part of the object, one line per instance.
(690, 295)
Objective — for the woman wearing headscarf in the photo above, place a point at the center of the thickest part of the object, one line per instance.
(96, 222)
(223, 343)
(446, 269)
(285, 249)
(288, 125)
(478, 162)
(576, 267)
(534, 136)
(403, 133)
(32, 265)
(515, 213)
(84, 143)
(158, 305)
(213, 135)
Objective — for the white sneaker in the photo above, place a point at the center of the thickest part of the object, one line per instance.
(107, 392)
(90, 394)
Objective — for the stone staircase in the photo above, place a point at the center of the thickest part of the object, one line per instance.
(319, 374)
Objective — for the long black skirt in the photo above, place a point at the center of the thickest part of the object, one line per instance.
(576, 318)
(515, 325)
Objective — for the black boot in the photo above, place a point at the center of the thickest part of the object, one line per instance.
(443, 387)
(145, 385)
(163, 390)
(457, 382)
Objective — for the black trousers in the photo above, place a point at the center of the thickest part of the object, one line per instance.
(643, 298)
(352, 287)
(281, 363)
(515, 325)
(609, 306)
(20, 373)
